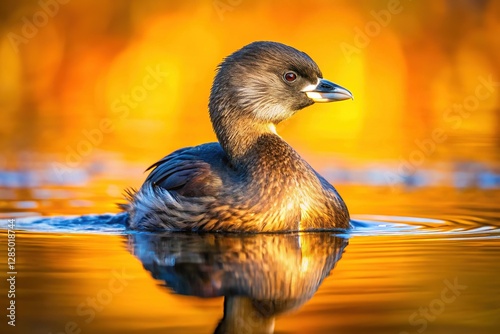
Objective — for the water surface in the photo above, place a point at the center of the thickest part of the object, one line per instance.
(418, 265)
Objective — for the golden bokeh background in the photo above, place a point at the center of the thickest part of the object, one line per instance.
(413, 66)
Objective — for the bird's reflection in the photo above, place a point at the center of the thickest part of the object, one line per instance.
(260, 275)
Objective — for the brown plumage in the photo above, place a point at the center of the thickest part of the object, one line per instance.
(251, 180)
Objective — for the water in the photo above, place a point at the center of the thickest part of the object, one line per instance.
(421, 259)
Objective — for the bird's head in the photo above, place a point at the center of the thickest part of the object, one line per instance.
(269, 82)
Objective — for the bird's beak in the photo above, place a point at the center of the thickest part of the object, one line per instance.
(326, 91)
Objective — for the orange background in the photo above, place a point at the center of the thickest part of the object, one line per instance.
(60, 81)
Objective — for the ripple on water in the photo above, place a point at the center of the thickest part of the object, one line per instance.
(363, 225)
(452, 226)
(98, 224)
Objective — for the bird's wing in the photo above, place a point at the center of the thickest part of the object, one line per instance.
(191, 171)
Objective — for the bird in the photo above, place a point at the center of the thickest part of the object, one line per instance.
(251, 180)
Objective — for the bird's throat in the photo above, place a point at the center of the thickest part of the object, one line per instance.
(238, 137)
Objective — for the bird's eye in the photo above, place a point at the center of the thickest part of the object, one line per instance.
(290, 76)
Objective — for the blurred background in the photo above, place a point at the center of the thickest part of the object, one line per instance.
(92, 92)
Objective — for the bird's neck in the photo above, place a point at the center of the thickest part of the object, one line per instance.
(237, 137)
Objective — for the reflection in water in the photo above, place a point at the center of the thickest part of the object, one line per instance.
(260, 276)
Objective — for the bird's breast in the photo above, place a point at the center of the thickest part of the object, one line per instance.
(288, 190)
